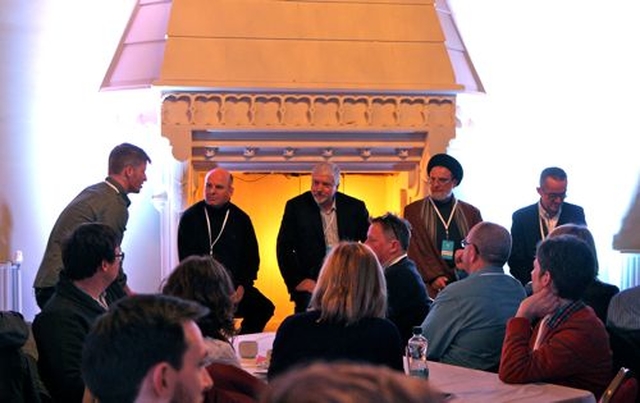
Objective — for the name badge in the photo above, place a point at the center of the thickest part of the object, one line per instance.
(447, 249)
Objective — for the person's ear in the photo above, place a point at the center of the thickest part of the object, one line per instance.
(163, 379)
(545, 279)
(395, 245)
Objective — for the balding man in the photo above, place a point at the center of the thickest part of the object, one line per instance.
(467, 320)
(215, 226)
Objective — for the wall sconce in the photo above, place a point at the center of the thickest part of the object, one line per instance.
(288, 152)
(249, 152)
(327, 152)
(210, 152)
(365, 153)
(402, 153)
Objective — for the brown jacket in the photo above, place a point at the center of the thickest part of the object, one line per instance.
(422, 247)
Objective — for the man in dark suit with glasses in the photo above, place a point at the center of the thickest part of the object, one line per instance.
(533, 223)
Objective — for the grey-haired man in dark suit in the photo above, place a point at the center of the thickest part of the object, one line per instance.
(312, 224)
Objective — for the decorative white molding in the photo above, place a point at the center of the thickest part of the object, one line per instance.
(238, 111)
(289, 132)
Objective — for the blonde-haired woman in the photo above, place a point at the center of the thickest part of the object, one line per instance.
(346, 316)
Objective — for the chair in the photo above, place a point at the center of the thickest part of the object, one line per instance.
(625, 345)
(233, 385)
(622, 389)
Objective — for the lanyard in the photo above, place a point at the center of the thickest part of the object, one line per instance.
(542, 235)
(224, 223)
(448, 223)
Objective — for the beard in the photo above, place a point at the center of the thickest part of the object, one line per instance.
(441, 196)
(182, 395)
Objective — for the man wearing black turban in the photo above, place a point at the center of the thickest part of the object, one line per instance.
(439, 223)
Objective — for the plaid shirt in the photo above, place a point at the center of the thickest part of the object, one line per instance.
(563, 313)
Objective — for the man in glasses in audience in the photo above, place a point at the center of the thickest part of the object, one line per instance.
(533, 223)
(147, 348)
(438, 223)
(92, 259)
(467, 320)
(407, 299)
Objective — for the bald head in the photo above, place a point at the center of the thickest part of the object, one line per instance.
(218, 187)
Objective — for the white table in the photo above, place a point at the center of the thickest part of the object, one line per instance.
(256, 366)
(470, 385)
(464, 384)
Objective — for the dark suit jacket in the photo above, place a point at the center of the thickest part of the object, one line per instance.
(525, 231)
(301, 248)
(408, 302)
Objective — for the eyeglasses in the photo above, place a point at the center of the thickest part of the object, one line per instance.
(120, 256)
(464, 243)
(439, 181)
(554, 196)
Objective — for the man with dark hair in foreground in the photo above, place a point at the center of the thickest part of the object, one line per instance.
(147, 348)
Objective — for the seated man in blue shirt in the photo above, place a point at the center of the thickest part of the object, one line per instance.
(466, 322)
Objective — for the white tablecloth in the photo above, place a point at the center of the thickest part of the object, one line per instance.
(469, 385)
(258, 365)
(464, 384)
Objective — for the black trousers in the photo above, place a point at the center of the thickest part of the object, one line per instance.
(255, 310)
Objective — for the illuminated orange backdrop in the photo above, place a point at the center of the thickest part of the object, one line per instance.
(263, 197)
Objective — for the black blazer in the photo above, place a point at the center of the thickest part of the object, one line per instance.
(300, 246)
(525, 232)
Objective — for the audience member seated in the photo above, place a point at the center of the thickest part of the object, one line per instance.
(569, 344)
(598, 294)
(467, 320)
(407, 299)
(346, 320)
(623, 324)
(147, 348)
(92, 260)
(343, 382)
(19, 379)
(204, 280)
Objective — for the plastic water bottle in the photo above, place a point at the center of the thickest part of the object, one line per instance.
(417, 354)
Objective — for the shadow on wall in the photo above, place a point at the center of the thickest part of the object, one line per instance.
(628, 238)
(6, 228)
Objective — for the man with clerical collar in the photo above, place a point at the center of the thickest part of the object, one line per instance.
(439, 222)
(214, 226)
(533, 223)
(312, 224)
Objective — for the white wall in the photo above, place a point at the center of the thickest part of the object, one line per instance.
(56, 129)
(558, 76)
(562, 86)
